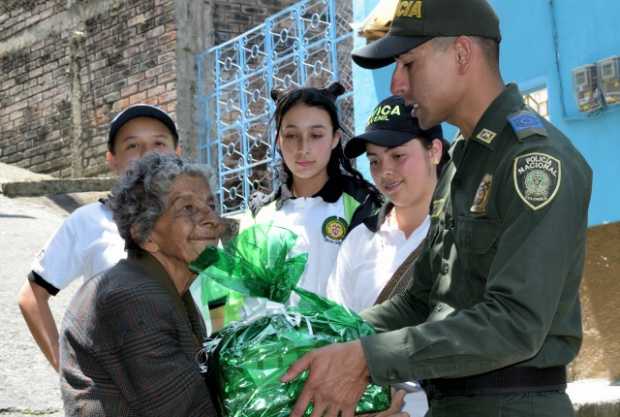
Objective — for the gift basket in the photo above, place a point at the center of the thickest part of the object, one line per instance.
(246, 359)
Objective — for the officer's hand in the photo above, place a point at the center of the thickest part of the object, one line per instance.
(338, 378)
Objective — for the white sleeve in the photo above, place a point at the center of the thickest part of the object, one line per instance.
(57, 263)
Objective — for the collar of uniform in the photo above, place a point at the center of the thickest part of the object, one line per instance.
(494, 118)
(330, 193)
(456, 150)
(374, 222)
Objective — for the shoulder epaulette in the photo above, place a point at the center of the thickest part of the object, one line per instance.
(526, 123)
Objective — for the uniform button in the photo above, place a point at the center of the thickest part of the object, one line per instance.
(445, 268)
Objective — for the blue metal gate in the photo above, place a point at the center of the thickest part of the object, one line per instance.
(307, 44)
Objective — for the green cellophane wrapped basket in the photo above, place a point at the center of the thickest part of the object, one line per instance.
(247, 359)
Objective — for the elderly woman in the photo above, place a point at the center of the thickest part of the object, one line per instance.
(130, 336)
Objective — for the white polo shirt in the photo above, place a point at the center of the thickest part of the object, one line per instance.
(306, 217)
(86, 244)
(367, 261)
(320, 222)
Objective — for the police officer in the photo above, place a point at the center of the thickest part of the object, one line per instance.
(491, 316)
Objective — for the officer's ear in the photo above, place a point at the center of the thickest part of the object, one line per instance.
(463, 53)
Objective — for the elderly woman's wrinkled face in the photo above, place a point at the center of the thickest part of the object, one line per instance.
(190, 222)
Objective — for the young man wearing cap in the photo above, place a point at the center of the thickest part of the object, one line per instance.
(492, 316)
(88, 242)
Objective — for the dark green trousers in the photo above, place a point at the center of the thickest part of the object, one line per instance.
(540, 404)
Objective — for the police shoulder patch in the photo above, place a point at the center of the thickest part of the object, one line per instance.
(537, 178)
(526, 123)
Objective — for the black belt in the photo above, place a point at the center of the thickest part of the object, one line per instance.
(509, 380)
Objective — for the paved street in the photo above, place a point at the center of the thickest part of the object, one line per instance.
(29, 386)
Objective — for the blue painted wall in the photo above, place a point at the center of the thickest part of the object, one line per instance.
(587, 31)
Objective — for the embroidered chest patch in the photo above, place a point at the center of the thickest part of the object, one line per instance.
(334, 229)
(537, 178)
(481, 199)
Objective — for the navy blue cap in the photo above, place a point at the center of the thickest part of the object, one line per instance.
(141, 110)
(390, 125)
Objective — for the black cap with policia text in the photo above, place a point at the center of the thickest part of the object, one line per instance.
(418, 21)
(390, 125)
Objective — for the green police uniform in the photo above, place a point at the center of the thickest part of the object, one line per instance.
(496, 287)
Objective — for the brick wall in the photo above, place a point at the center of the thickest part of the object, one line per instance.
(17, 15)
(68, 66)
(35, 109)
(232, 18)
(128, 56)
(67, 69)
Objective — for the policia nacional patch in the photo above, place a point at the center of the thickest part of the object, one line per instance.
(537, 178)
(334, 229)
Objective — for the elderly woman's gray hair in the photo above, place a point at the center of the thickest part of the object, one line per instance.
(139, 197)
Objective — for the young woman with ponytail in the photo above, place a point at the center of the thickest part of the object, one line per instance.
(321, 196)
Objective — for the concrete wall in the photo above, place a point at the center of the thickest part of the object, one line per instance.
(586, 32)
(600, 300)
(195, 33)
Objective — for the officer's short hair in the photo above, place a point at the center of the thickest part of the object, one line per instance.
(490, 47)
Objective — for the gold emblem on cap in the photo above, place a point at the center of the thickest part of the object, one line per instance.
(409, 8)
(481, 199)
(486, 135)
